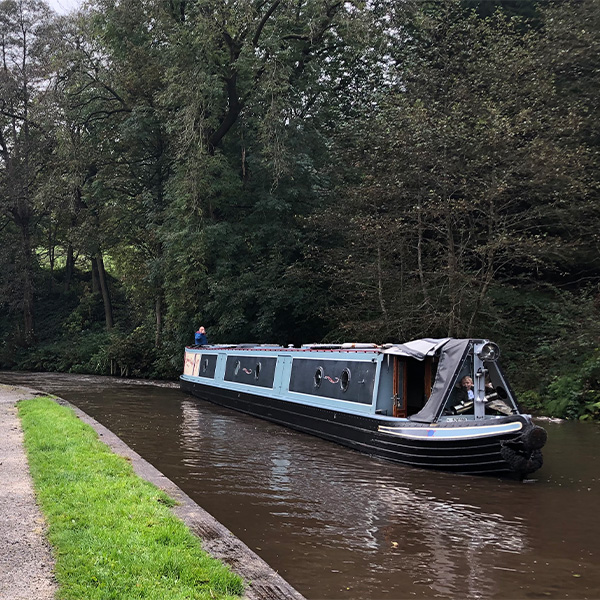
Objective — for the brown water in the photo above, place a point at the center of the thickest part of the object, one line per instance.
(338, 524)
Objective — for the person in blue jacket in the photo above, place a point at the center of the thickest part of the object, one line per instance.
(200, 337)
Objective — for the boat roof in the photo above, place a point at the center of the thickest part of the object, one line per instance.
(418, 349)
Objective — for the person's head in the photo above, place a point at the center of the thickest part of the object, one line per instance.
(466, 382)
(201, 330)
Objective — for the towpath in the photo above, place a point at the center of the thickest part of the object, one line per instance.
(26, 562)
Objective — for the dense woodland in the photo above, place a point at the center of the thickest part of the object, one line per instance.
(298, 171)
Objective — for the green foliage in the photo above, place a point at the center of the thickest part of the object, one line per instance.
(577, 395)
(113, 534)
(72, 354)
(126, 354)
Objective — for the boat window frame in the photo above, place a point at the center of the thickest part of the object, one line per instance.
(318, 378)
(345, 383)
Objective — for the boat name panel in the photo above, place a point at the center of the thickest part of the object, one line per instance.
(349, 380)
(251, 370)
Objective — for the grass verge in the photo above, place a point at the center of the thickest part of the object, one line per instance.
(113, 534)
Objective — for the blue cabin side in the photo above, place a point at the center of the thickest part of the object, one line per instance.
(358, 382)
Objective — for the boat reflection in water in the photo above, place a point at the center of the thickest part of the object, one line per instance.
(432, 403)
(347, 510)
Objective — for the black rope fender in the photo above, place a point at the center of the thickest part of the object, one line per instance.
(523, 454)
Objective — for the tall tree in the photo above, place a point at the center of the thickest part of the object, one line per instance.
(248, 88)
(24, 134)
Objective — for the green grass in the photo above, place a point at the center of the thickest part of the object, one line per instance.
(113, 534)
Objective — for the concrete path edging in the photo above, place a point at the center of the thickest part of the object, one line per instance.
(262, 582)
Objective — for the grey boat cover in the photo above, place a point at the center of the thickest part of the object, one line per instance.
(418, 349)
(451, 359)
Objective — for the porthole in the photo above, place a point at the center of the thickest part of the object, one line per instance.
(345, 380)
(318, 377)
(205, 365)
(236, 370)
(257, 371)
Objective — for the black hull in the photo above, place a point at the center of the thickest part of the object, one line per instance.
(481, 456)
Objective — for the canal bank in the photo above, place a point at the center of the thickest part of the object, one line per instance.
(262, 583)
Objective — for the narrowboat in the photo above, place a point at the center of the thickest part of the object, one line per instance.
(430, 403)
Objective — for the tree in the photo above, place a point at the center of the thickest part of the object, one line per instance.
(450, 190)
(248, 87)
(25, 137)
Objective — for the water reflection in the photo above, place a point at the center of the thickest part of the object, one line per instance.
(338, 524)
(326, 498)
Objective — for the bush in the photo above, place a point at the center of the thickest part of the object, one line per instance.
(70, 354)
(577, 395)
(126, 354)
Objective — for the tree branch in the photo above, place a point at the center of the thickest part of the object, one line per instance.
(263, 22)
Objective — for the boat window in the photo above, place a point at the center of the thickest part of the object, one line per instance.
(205, 365)
(236, 370)
(257, 371)
(345, 380)
(318, 377)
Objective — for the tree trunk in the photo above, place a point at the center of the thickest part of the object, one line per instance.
(28, 288)
(69, 267)
(95, 284)
(51, 254)
(158, 311)
(453, 279)
(420, 254)
(380, 285)
(108, 311)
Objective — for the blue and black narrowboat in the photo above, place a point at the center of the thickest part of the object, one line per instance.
(430, 403)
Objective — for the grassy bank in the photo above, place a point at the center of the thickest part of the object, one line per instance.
(113, 534)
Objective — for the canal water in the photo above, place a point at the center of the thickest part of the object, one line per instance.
(340, 525)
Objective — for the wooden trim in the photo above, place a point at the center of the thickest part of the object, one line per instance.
(428, 369)
(399, 398)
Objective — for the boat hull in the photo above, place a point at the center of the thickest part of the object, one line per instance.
(491, 447)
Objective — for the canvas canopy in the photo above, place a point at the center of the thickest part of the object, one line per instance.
(418, 349)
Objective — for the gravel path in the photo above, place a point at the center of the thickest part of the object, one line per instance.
(26, 561)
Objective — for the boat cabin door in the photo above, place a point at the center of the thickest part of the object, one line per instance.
(412, 382)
